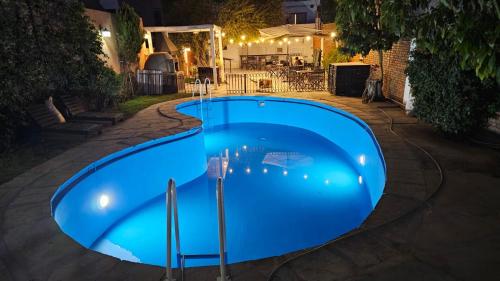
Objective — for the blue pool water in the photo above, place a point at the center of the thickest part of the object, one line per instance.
(288, 185)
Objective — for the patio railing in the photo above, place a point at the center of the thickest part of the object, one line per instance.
(275, 80)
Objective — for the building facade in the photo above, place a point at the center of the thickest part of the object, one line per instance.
(299, 11)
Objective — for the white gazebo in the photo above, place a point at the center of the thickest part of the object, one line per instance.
(214, 30)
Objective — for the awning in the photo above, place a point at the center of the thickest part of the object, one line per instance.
(291, 30)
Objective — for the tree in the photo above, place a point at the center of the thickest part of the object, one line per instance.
(238, 17)
(361, 30)
(235, 17)
(46, 48)
(129, 34)
(469, 28)
(328, 10)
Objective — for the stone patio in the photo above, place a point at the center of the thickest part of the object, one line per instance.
(420, 230)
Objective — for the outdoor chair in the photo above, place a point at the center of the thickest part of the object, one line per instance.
(76, 111)
(52, 126)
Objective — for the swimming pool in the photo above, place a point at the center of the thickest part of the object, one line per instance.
(298, 174)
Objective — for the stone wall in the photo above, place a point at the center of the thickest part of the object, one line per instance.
(395, 62)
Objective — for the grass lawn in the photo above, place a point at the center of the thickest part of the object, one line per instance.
(137, 104)
(23, 157)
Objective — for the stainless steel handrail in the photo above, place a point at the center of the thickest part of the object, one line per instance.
(196, 82)
(222, 228)
(171, 198)
(207, 87)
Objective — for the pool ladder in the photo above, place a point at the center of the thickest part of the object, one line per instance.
(206, 84)
(171, 200)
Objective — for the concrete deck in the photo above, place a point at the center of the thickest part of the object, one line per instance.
(419, 230)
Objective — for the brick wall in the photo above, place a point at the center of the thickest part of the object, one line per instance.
(395, 62)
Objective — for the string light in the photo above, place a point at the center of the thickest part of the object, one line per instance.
(243, 37)
(333, 34)
(231, 41)
(308, 38)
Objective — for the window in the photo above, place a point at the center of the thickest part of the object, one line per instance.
(294, 18)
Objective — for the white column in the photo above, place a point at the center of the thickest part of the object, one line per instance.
(150, 43)
(407, 97)
(212, 56)
(322, 47)
(221, 59)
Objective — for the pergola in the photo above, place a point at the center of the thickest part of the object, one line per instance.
(214, 30)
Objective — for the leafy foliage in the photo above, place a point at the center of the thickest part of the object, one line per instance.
(328, 10)
(453, 100)
(469, 28)
(47, 48)
(129, 34)
(241, 17)
(335, 55)
(359, 29)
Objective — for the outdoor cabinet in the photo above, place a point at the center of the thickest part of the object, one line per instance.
(208, 72)
(348, 79)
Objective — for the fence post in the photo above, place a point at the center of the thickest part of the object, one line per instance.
(245, 83)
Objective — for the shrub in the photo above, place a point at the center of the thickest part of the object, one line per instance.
(455, 101)
(335, 55)
(105, 92)
(47, 48)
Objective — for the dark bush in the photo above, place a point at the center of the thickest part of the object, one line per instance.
(451, 99)
(47, 48)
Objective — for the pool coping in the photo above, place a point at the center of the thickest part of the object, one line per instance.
(32, 245)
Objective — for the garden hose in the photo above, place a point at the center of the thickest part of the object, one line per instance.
(361, 230)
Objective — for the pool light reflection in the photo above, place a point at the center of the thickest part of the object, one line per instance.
(103, 201)
(360, 180)
(362, 159)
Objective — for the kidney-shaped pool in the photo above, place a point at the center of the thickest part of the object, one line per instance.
(296, 174)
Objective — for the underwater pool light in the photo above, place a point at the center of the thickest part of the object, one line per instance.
(362, 159)
(103, 201)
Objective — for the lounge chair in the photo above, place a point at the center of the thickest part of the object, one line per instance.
(76, 111)
(51, 124)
